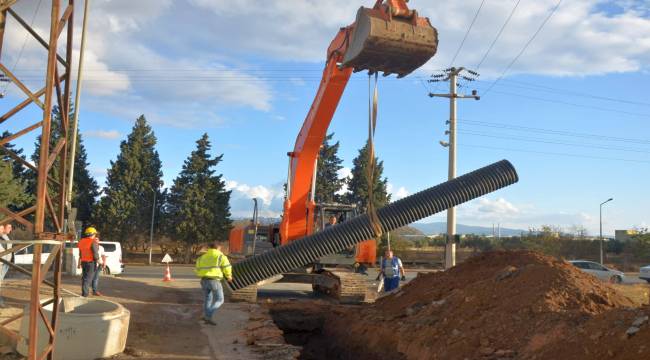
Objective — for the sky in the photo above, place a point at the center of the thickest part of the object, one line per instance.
(563, 97)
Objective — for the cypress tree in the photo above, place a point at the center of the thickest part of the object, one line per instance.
(358, 183)
(198, 209)
(124, 212)
(18, 169)
(327, 179)
(12, 189)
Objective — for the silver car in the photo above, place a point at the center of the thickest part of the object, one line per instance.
(644, 273)
(599, 271)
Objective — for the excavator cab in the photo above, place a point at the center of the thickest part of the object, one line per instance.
(390, 38)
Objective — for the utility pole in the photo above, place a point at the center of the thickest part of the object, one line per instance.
(452, 75)
(601, 228)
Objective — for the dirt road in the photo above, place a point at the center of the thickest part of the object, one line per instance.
(166, 319)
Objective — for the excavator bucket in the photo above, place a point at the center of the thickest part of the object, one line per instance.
(390, 44)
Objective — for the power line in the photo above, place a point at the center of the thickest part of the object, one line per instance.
(498, 35)
(22, 48)
(552, 132)
(478, 11)
(555, 142)
(553, 153)
(526, 45)
(537, 87)
(573, 104)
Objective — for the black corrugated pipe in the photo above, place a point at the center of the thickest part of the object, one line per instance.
(395, 215)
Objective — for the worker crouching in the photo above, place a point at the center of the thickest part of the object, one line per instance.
(212, 267)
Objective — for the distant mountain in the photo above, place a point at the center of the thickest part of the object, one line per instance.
(441, 228)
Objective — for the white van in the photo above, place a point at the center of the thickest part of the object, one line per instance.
(112, 251)
(26, 256)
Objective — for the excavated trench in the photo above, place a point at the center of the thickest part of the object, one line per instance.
(304, 325)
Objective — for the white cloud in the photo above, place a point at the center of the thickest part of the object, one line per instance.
(400, 193)
(103, 134)
(270, 199)
(581, 38)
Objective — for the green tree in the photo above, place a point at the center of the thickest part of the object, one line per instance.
(124, 212)
(358, 183)
(327, 179)
(18, 168)
(84, 187)
(12, 189)
(198, 209)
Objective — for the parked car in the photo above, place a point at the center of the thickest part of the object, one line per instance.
(599, 271)
(644, 273)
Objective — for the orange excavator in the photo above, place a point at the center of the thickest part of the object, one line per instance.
(388, 38)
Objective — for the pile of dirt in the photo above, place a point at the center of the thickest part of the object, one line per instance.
(520, 305)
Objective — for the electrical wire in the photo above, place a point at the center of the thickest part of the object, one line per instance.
(478, 66)
(555, 142)
(511, 127)
(469, 29)
(22, 48)
(539, 29)
(553, 153)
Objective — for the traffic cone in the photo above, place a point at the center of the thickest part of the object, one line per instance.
(168, 274)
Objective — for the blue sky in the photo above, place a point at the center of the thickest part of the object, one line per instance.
(571, 113)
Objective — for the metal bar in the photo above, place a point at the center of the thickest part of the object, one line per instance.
(64, 19)
(26, 163)
(45, 268)
(35, 34)
(50, 207)
(20, 85)
(75, 120)
(3, 22)
(18, 218)
(13, 249)
(53, 155)
(48, 350)
(46, 321)
(4, 4)
(57, 295)
(22, 105)
(11, 319)
(34, 302)
(20, 133)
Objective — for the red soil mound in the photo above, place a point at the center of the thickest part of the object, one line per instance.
(496, 305)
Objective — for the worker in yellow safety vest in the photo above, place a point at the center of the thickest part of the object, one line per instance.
(212, 267)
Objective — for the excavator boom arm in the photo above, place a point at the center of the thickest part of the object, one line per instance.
(387, 38)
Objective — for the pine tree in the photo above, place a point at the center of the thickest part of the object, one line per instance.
(327, 179)
(198, 209)
(124, 213)
(18, 168)
(358, 183)
(12, 189)
(85, 189)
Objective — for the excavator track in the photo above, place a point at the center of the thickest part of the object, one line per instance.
(346, 287)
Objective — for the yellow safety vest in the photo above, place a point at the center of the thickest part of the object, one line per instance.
(213, 264)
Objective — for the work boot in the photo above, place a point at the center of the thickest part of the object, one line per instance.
(209, 322)
(97, 293)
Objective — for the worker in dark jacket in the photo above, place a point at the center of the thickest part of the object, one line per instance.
(88, 257)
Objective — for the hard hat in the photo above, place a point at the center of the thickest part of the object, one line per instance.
(90, 231)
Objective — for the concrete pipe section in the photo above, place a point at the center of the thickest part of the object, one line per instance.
(86, 329)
